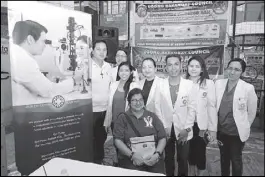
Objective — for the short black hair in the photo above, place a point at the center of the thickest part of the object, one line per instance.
(123, 49)
(242, 63)
(23, 29)
(149, 59)
(173, 55)
(99, 41)
(133, 92)
(82, 38)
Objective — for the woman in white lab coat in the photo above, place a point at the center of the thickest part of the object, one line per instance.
(151, 87)
(206, 114)
(237, 106)
(118, 93)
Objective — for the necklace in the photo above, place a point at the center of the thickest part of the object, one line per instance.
(175, 87)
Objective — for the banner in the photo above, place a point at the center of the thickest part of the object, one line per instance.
(6, 97)
(178, 35)
(193, 23)
(213, 57)
(52, 114)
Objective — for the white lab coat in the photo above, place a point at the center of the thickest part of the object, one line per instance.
(206, 112)
(113, 88)
(244, 105)
(28, 83)
(153, 103)
(182, 114)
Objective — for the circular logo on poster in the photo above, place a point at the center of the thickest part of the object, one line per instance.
(141, 11)
(220, 7)
(58, 101)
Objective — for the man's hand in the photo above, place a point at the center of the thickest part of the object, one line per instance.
(201, 133)
(137, 159)
(152, 160)
(213, 136)
(108, 130)
(183, 136)
(168, 132)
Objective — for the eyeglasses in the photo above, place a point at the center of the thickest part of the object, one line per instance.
(235, 69)
(135, 101)
(121, 56)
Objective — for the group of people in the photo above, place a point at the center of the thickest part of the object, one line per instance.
(174, 118)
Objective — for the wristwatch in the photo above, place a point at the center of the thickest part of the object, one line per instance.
(159, 153)
(188, 130)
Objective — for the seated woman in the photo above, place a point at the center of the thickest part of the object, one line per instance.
(138, 121)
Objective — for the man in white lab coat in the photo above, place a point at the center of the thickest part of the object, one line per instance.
(28, 82)
(178, 109)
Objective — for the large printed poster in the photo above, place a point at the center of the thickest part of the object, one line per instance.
(192, 23)
(212, 56)
(51, 86)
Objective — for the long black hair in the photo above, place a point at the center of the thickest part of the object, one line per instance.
(204, 74)
(127, 84)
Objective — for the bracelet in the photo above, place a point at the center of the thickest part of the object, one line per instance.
(159, 153)
(188, 130)
(131, 155)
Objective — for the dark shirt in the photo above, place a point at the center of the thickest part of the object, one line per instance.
(174, 89)
(226, 121)
(146, 89)
(122, 129)
(118, 104)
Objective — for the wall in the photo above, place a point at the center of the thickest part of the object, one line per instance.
(64, 4)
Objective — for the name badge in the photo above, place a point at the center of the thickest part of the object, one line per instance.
(242, 104)
(184, 101)
(204, 94)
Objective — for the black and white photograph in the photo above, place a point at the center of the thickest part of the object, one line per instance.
(49, 57)
(133, 88)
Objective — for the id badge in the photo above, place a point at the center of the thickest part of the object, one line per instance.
(242, 104)
(184, 101)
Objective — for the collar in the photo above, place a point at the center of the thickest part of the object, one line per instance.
(95, 64)
(130, 114)
(21, 49)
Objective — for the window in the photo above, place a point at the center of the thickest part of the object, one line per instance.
(255, 12)
(122, 7)
(113, 7)
(105, 8)
(240, 10)
(109, 7)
